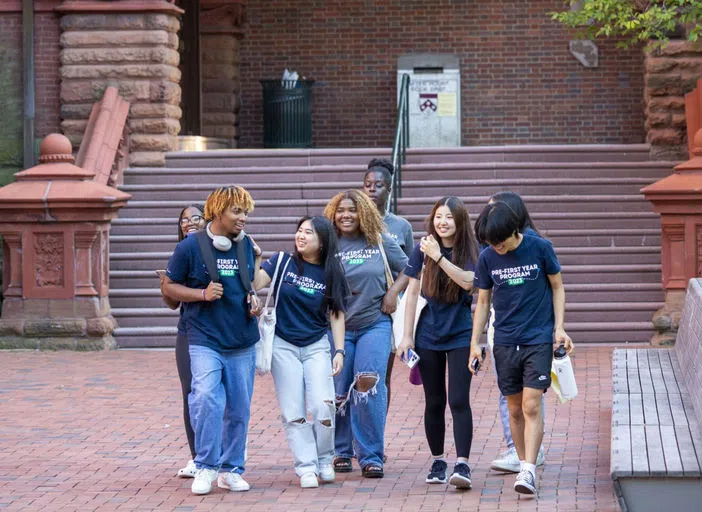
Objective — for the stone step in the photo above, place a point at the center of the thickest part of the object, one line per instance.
(251, 175)
(591, 292)
(407, 206)
(285, 241)
(572, 274)
(185, 193)
(561, 221)
(566, 255)
(513, 153)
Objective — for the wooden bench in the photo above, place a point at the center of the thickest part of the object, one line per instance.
(656, 451)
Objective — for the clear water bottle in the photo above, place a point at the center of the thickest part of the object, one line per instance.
(564, 369)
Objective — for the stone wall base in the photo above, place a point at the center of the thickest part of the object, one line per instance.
(84, 323)
(53, 344)
(666, 321)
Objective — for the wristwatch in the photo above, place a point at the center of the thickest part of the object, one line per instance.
(340, 351)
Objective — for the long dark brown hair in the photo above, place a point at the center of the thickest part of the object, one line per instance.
(436, 283)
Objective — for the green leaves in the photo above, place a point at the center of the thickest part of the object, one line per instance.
(635, 21)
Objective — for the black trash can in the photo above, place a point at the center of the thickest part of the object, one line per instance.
(287, 113)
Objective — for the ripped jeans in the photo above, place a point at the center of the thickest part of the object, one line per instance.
(361, 394)
(303, 383)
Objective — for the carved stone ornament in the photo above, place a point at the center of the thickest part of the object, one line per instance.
(48, 260)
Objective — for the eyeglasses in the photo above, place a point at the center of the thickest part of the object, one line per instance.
(195, 219)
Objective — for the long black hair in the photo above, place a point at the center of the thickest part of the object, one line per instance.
(337, 289)
(180, 217)
(437, 284)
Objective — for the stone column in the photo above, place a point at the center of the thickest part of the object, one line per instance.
(669, 74)
(678, 200)
(220, 33)
(55, 221)
(132, 45)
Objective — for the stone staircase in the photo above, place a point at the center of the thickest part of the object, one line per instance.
(585, 199)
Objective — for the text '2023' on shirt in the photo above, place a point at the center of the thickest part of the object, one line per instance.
(365, 273)
(299, 316)
(442, 326)
(521, 293)
(222, 324)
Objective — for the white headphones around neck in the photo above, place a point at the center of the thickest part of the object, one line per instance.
(223, 243)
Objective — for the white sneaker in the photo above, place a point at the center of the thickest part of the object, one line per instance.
(540, 458)
(232, 481)
(326, 473)
(525, 483)
(309, 481)
(188, 471)
(507, 462)
(203, 481)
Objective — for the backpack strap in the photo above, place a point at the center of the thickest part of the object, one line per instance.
(243, 265)
(207, 254)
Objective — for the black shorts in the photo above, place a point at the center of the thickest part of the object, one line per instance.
(522, 366)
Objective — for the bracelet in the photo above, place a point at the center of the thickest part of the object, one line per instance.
(440, 258)
(204, 297)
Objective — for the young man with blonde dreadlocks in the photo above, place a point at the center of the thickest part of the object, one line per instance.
(219, 315)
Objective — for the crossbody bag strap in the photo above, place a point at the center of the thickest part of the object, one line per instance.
(282, 278)
(273, 281)
(207, 254)
(388, 273)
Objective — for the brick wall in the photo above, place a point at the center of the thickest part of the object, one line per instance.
(11, 96)
(46, 68)
(519, 82)
(688, 345)
(46, 62)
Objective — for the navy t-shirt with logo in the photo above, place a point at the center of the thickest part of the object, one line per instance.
(521, 293)
(222, 324)
(299, 316)
(442, 326)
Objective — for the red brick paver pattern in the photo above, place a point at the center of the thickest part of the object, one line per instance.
(103, 431)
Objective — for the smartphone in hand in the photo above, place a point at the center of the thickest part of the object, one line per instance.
(475, 364)
(411, 358)
(160, 273)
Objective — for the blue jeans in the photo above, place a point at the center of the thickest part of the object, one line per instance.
(360, 416)
(220, 404)
(303, 383)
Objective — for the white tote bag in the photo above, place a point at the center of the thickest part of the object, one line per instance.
(398, 322)
(266, 323)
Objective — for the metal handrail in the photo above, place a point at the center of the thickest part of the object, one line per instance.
(399, 147)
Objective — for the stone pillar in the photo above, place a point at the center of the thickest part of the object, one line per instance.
(132, 45)
(678, 200)
(55, 223)
(669, 73)
(220, 33)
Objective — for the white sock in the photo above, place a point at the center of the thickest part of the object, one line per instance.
(531, 468)
(521, 464)
(440, 457)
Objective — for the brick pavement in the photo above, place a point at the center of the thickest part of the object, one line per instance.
(103, 431)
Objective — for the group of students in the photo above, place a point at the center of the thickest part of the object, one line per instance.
(333, 351)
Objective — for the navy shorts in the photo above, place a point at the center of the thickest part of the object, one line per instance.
(523, 366)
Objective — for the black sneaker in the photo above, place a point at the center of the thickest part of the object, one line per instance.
(437, 475)
(460, 478)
